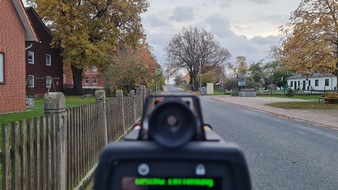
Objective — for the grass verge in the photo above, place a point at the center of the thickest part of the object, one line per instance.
(38, 109)
(303, 105)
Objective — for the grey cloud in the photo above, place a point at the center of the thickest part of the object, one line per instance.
(183, 14)
(264, 40)
(254, 49)
(159, 42)
(222, 3)
(154, 21)
(219, 26)
(261, 1)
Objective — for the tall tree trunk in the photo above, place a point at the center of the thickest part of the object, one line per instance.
(193, 81)
(77, 80)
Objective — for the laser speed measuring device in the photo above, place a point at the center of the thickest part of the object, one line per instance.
(172, 149)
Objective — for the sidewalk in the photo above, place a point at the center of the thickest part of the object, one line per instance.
(326, 118)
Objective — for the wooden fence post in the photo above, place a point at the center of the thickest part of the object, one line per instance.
(101, 100)
(143, 95)
(132, 94)
(55, 105)
(119, 94)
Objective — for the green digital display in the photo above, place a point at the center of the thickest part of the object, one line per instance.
(169, 183)
(205, 182)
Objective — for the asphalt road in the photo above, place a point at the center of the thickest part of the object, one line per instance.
(281, 153)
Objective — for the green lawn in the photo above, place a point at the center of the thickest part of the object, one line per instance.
(304, 105)
(305, 97)
(37, 110)
(314, 104)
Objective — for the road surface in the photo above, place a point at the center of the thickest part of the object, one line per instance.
(281, 153)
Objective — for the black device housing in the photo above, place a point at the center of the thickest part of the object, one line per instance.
(204, 158)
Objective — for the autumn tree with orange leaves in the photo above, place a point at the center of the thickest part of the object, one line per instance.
(89, 31)
(310, 42)
(131, 68)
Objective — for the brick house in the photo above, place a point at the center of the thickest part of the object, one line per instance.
(44, 64)
(91, 79)
(15, 30)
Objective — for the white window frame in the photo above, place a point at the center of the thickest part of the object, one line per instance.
(94, 69)
(48, 60)
(48, 81)
(94, 80)
(30, 78)
(2, 68)
(86, 80)
(30, 53)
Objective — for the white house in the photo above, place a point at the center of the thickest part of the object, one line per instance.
(317, 82)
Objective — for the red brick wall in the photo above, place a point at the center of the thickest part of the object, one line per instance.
(12, 44)
(90, 74)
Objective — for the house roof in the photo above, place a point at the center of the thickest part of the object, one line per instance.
(30, 34)
(300, 76)
(31, 12)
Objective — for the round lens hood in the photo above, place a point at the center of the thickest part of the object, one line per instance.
(172, 124)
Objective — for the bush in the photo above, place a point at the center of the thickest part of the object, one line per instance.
(290, 92)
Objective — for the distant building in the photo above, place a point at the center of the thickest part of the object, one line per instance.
(16, 29)
(186, 79)
(91, 79)
(44, 64)
(316, 82)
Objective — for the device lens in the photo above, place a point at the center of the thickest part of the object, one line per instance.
(172, 124)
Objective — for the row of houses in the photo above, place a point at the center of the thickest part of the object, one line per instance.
(28, 63)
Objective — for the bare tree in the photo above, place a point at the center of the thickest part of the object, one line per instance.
(196, 51)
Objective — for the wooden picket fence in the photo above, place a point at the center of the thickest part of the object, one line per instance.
(29, 147)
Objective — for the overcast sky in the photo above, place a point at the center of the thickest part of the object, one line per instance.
(244, 27)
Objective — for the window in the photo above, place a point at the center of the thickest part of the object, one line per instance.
(94, 80)
(291, 84)
(2, 70)
(30, 57)
(316, 82)
(86, 80)
(298, 83)
(48, 60)
(309, 82)
(94, 69)
(327, 82)
(48, 81)
(30, 81)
